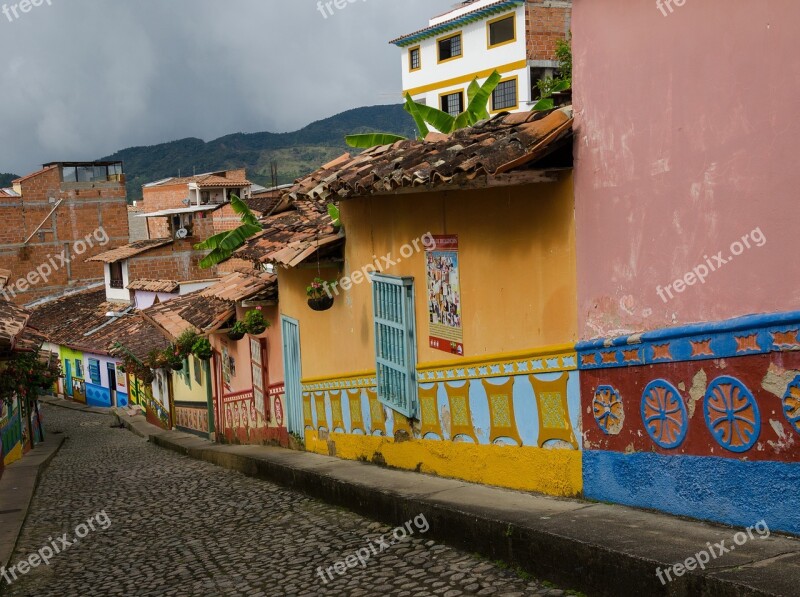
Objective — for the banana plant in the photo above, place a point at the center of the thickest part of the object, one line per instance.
(426, 117)
(223, 245)
(553, 86)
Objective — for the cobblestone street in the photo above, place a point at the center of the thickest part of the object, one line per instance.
(183, 527)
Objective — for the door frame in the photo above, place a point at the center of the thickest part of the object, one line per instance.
(293, 385)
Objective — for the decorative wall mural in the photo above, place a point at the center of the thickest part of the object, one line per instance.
(791, 404)
(501, 411)
(732, 414)
(608, 410)
(551, 402)
(664, 414)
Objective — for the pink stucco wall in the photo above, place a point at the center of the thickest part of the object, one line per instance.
(686, 141)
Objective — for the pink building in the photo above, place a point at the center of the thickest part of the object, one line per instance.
(689, 301)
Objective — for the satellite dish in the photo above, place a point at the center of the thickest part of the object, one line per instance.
(181, 233)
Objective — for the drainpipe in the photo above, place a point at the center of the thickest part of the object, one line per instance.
(210, 400)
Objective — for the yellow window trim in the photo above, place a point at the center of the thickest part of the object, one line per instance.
(515, 78)
(489, 24)
(411, 69)
(506, 68)
(444, 38)
(453, 92)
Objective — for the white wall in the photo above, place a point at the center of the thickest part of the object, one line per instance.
(143, 299)
(189, 287)
(116, 294)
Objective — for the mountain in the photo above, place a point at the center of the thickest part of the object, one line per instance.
(6, 178)
(296, 153)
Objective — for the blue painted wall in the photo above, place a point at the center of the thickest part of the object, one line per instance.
(724, 490)
(98, 395)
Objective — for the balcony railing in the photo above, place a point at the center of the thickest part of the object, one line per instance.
(117, 284)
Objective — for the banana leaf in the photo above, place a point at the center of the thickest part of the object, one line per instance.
(477, 109)
(226, 246)
(411, 108)
(544, 105)
(441, 121)
(369, 140)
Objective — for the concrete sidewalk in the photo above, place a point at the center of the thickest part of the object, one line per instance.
(17, 486)
(596, 548)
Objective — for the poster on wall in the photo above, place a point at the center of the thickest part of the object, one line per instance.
(444, 295)
(121, 377)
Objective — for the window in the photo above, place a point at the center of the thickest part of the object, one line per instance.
(79, 368)
(502, 31)
(117, 280)
(453, 103)
(94, 371)
(449, 47)
(415, 58)
(504, 96)
(197, 371)
(395, 342)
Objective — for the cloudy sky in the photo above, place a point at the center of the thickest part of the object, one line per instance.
(84, 78)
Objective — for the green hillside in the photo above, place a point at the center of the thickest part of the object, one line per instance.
(296, 153)
(6, 178)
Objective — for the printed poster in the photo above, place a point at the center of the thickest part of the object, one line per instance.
(444, 295)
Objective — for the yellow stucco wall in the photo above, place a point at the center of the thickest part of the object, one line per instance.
(553, 472)
(518, 273)
(183, 392)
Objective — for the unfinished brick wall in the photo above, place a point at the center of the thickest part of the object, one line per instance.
(159, 198)
(54, 260)
(178, 261)
(546, 21)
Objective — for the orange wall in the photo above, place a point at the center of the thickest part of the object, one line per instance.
(518, 278)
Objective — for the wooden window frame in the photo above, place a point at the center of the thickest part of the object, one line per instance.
(489, 45)
(494, 110)
(453, 92)
(411, 51)
(439, 40)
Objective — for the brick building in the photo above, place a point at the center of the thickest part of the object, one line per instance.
(56, 218)
(210, 191)
(518, 38)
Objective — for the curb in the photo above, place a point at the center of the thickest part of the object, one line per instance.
(68, 404)
(17, 488)
(604, 550)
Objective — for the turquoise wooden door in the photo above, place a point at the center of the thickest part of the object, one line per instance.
(292, 373)
(68, 378)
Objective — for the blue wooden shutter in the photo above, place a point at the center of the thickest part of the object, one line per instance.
(94, 371)
(395, 342)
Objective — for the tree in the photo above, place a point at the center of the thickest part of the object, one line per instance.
(425, 116)
(223, 245)
(550, 86)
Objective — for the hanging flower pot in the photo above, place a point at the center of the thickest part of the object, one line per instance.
(202, 349)
(322, 303)
(177, 366)
(319, 295)
(237, 332)
(255, 323)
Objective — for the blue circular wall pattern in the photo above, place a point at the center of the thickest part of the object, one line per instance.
(608, 410)
(664, 414)
(732, 414)
(791, 404)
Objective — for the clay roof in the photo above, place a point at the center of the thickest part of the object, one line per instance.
(493, 152)
(5, 274)
(12, 323)
(242, 286)
(191, 311)
(293, 236)
(131, 250)
(210, 179)
(267, 203)
(130, 334)
(168, 286)
(67, 321)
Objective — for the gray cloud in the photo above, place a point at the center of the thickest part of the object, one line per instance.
(84, 78)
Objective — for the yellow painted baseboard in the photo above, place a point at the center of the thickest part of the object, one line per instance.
(552, 472)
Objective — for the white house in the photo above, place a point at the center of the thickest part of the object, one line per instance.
(515, 37)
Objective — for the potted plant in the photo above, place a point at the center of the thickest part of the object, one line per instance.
(255, 323)
(319, 296)
(173, 358)
(238, 331)
(202, 349)
(156, 360)
(186, 342)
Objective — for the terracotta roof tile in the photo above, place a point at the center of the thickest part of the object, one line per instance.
(130, 334)
(242, 286)
(12, 323)
(168, 286)
(131, 250)
(192, 311)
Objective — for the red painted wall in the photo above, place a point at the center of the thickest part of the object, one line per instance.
(685, 142)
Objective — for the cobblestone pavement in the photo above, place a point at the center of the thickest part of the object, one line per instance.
(184, 527)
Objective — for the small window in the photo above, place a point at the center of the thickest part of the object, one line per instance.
(504, 96)
(79, 368)
(117, 280)
(453, 103)
(395, 342)
(94, 371)
(502, 31)
(197, 371)
(450, 47)
(415, 58)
